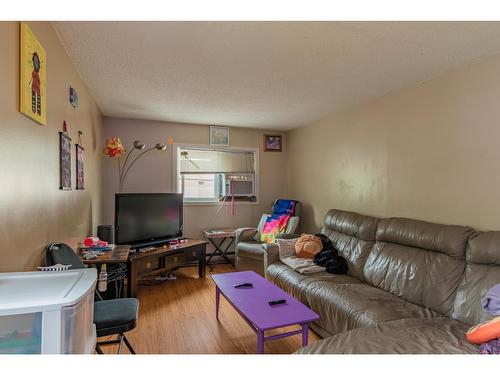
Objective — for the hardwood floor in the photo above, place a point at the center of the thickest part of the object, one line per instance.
(178, 317)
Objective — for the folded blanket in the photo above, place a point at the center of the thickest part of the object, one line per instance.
(302, 265)
(276, 222)
(491, 302)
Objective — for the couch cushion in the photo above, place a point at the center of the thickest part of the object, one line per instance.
(408, 336)
(343, 307)
(296, 284)
(353, 235)
(418, 261)
(251, 249)
(482, 271)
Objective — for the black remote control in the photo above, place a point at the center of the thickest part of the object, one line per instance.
(244, 285)
(277, 302)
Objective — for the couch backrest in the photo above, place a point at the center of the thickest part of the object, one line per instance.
(482, 271)
(353, 235)
(418, 261)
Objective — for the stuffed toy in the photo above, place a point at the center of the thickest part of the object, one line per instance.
(329, 257)
(307, 246)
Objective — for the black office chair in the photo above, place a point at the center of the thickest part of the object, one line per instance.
(111, 317)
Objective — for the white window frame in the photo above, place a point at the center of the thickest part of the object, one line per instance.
(201, 201)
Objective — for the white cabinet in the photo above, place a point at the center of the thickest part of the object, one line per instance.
(47, 312)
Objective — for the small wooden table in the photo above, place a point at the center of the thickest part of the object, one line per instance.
(226, 238)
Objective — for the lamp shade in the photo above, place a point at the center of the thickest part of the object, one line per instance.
(114, 147)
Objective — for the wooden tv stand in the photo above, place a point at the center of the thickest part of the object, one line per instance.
(162, 259)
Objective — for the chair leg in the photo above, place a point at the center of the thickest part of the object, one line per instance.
(128, 345)
(98, 349)
(120, 340)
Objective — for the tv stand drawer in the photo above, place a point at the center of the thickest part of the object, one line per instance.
(172, 260)
(147, 265)
(193, 254)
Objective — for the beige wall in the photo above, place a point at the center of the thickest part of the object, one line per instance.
(33, 211)
(153, 173)
(431, 152)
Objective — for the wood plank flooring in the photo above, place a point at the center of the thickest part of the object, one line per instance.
(178, 317)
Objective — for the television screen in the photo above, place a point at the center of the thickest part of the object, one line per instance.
(147, 219)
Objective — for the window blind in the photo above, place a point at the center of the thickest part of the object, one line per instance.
(215, 161)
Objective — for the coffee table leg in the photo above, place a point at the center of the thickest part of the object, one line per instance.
(217, 301)
(260, 342)
(305, 333)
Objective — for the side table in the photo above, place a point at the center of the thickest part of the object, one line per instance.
(221, 239)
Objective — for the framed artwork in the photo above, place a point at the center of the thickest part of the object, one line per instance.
(272, 143)
(32, 76)
(80, 174)
(219, 136)
(64, 161)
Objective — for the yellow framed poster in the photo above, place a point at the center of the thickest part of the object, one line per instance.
(32, 76)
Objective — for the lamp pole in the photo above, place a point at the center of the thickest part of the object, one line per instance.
(139, 146)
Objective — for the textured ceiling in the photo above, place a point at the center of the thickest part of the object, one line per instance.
(276, 75)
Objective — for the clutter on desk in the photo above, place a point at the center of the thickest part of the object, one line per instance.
(94, 243)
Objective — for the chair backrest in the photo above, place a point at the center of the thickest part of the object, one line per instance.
(296, 209)
(291, 227)
(61, 253)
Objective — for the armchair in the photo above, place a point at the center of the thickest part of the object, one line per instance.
(253, 254)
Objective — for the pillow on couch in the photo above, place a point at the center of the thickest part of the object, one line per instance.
(286, 247)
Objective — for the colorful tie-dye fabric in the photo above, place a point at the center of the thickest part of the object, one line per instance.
(276, 222)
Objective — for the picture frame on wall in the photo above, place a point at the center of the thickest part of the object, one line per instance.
(219, 136)
(32, 76)
(64, 161)
(273, 143)
(80, 168)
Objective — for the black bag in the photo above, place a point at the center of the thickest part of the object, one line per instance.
(329, 257)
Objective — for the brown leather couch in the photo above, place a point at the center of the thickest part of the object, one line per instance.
(412, 286)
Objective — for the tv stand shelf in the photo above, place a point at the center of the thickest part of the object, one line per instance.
(162, 259)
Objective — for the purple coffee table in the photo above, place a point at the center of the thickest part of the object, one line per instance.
(252, 305)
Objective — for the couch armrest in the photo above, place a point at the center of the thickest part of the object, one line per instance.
(271, 254)
(287, 236)
(245, 234)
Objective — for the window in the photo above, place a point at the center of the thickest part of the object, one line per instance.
(214, 175)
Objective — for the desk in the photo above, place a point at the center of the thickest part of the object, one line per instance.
(165, 258)
(116, 261)
(117, 255)
(225, 238)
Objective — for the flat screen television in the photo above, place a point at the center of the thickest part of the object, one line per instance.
(147, 219)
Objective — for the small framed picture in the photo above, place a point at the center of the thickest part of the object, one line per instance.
(80, 170)
(64, 161)
(219, 136)
(272, 143)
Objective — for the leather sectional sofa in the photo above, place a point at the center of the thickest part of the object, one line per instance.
(412, 286)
